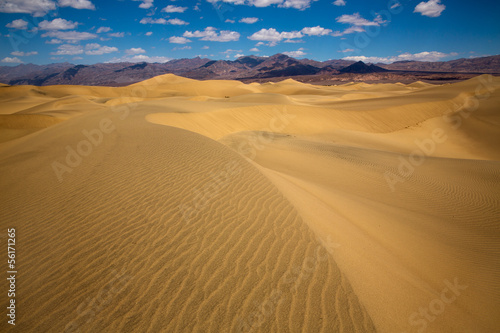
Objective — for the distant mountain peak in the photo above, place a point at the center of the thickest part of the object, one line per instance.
(362, 68)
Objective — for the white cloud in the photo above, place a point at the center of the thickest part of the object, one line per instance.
(187, 47)
(229, 51)
(177, 21)
(77, 4)
(297, 4)
(356, 20)
(357, 23)
(210, 34)
(295, 54)
(96, 49)
(70, 36)
(396, 5)
(77, 58)
(23, 54)
(422, 56)
(174, 9)
(18, 24)
(347, 31)
(14, 60)
(117, 34)
(149, 20)
(54, 41)
(178, 40)
(141, 58)
(229, 21)
(431, 8)
(145, 4)
(135, 50)
(36, 8)
(339, 2)
(273, 36)
(315, 31)
(249, 20)
(57, 24)
(205, 47)
(149, 33)
(103, 29)
(254, 49)
(346, 50)
(67, 49)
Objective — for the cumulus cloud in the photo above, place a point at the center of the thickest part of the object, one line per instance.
(57, 24)
(249, 20)
(149, 33)
(14, 60)
(339, 2)
(316, 31)
(18, 24)
(187, 47)
(295, 54)
(23, 54)
(229, 21)
(70, 36)
(36, 8)
(297, 4)
(431, 8)
(54, 41)
(254, 49)
(140, 58)
(135, 50)
(272, 36)
(211, 34)
(178, 40)
(176, 21)
(68, 49)
(117, 34)
(174, 9)
(103, 29)
(149, 20)
(357, 22)
(145, 4)
(77, 4)
(422, 56)
(346, 50)
(97, 49)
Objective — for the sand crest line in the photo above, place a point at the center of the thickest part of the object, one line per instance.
(427, 146)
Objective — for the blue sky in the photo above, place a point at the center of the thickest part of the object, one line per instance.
(92, 31)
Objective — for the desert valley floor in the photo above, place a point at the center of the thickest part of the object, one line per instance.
(176, 205)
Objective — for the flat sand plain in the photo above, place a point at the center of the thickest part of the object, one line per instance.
(176, 205)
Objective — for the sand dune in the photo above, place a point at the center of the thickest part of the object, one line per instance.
(174, 205)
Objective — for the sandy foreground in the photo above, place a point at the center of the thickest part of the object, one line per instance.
(176, 205)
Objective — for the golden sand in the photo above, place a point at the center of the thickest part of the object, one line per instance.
(176, 205)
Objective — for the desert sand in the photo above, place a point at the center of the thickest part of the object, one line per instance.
(176, 205)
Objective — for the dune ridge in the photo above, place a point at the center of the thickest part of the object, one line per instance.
(217, 206)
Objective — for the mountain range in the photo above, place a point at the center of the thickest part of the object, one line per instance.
(243, 68)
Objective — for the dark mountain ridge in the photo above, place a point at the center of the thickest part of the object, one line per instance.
(243, 68)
